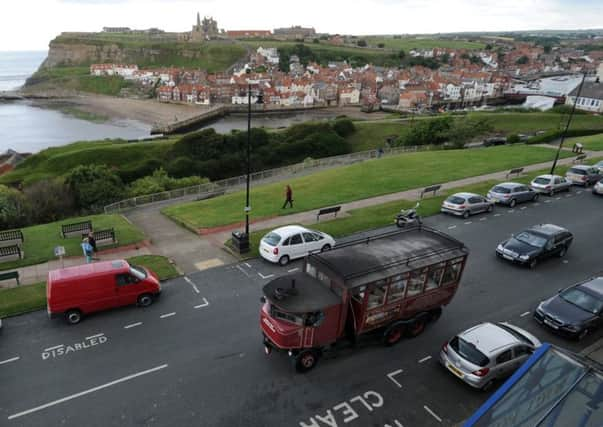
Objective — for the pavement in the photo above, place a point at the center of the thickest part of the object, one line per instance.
(195, 357)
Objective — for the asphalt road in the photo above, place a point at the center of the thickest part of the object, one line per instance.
(195, 357)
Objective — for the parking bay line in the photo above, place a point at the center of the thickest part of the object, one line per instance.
(265, 277)
(205, 304)
(433, 414)
(468, 222)
(497, 214)
(242, 270)
(391, 377)
(524, 314)
(190, 282)
(163, 316)
(425, 359)
(132, 325)
(451, 227)
(12, 359)
(85, 392)
(293, 270)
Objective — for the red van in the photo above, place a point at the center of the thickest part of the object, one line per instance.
(75, 291)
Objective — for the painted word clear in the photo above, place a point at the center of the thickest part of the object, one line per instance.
(346, 412)
(63, 350)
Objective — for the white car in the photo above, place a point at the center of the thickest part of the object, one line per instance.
(293, 241)
(550, 184)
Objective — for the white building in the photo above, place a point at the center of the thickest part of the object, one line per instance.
(591, 97)
(270, 54)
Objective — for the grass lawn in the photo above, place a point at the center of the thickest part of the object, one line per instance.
(532, 122)
(409, 43)
(593, 142)
(159, 264)
(359, 181)
(40, 240)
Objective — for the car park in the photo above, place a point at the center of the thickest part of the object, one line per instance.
(550, 184)
(466, 204)
(575, 311)
(293, 241)
(487, 352)
(511, 193)
(535, 244)
(598, 188)
(583, 175)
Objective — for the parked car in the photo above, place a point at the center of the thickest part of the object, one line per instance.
(487, 352)
(550, 184)
(465, 204)
(599, 165)
(76, 291)
(535, 244)
(511, 193)
(598, 188)
(575, 311)
(583, 175)
(497, 140)
(293, 241)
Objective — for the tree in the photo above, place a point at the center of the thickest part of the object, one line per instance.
(380, 45)
(12, 208)
(547, 48)
(361, 43)
(315, 41)
(48, 201)
(344, 127)
(488, 47)
(445, 58)
(522, 60)
(94, 186)
(401, 54)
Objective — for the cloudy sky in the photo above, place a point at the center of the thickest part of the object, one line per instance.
(31, 24)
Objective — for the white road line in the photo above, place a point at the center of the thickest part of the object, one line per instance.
(54, 348)
(292, 270)
(568, 195)
(523, 208)
(557, 198)
(391, 377)
(247, 264)
(565, 261)
(497, 214)
(205, 304)
(190, 282)
(265, 277)
(425, 359)
(85, 392)
(536, 204)
(547, 201)
(163, 316)
(242, 271)
(511, 210)
(13, 359)
(579, 192)
(468, 222)
(524, 314)
(433, 414)
(451, 227)
(95, 336)
(483, 219)
(132, 325)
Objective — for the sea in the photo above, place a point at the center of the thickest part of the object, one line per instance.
(29, 127)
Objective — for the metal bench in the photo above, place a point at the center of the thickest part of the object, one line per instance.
(431, 189)
(10, 253)
(76, 229)
(325, 211)
(10, 275)
(103, 237)
(11, 237)
(579, 159)
(516, 172)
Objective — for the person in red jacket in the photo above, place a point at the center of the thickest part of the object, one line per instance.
(288, 196)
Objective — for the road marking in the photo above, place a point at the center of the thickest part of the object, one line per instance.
(497, 214)
(536, 204)
(242, 271)
(190, 282)
(579, 192)
(565, 261)
(163, 316)
(451, 227)
(95, 336)
(205, 304)
(433, 414)
(265, 277)
(523, 208)
(13, 359)
(248, 265)
(132, 325)
(468, 222)
(568, 195)
(54, 348)
(85, 392)
(292, 270)
(391, 377)
(425, 359)
(483, 219)
(511, 210)
(557, 198)
(524, 314)
(547, 201)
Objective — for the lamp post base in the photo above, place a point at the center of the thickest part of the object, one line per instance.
(240, 241)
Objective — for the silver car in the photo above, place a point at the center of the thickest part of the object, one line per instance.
(599, 165)
(598, 188)
(465, 204)
(487, 352)
(583, 175)
(550, 184)
(511, 193)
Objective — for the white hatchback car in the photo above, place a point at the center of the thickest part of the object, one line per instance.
(291, 242)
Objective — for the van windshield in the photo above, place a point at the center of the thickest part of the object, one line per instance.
(138, 272)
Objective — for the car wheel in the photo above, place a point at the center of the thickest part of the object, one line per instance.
(325, 248)
(416, 328)
(466, 214)
(582, 334)
(513, 203)
(284, 260)
(490, 208)
(435, 314)
(488, 385)
(535, 198)
(562, 252)
(73, 317)
(533, 263)
(145, 300)
(306, 360)
(393, 335)
(552, 193)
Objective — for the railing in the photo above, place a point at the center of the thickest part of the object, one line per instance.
(230, 184)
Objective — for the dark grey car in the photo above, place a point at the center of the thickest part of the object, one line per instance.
(511, 193)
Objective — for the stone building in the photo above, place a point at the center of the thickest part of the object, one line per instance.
(296, 32)
(204, 30)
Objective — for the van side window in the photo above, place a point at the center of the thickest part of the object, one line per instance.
(434, 276)
(377, 294)
(125, 279)
(417, 279)
(451, 273)
(397, 287)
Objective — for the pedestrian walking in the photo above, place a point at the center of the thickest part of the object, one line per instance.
(87, 248)
(288, 196)
(92, 242)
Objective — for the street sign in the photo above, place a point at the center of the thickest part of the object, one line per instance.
(59, 250)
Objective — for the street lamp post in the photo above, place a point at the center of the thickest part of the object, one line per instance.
(247, 206)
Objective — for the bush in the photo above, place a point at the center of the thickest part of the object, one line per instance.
(160, 181)
(94, 186)
(513, 139)
(12, 208)
(49, 201)
(344, 127)
(552, 135)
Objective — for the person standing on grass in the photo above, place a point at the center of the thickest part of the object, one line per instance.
(87, 248)
(288, 196)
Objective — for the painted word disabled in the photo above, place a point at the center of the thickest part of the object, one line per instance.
(64, 350)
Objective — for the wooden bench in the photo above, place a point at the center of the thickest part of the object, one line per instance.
(76, 229)
(325, 211)
(10, 275)
(10, 253)
(11, 237)
(103, 237)
(579, 159)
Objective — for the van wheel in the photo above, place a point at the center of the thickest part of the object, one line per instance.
(73, 317)
(306, 360)
(416, 328)
(392, 335)
(284, 260)
(145, 300)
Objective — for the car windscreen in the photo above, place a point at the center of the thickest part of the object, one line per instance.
(501, 190)
(585, 301)
(468, 351)
(272, 239)
(531, 239)
(455, 200)
(577, 171)
(138, 272)
(541, 180)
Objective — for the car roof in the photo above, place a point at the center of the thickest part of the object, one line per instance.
(289, 229)
(547, 176)
(509, 184)
(595, 285)
(465, 195)
(583, 167)
(489, 337)
(548, 229)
